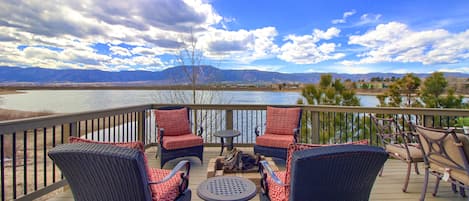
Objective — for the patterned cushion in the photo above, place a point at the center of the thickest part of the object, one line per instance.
(275, 191)
(174, 122)
(167, 191)
(182, 141)
(273, 140)
(282, 121)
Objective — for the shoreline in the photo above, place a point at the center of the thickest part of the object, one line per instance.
(16, 90)
(8, 114)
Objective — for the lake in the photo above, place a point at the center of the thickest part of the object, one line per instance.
(69, 101)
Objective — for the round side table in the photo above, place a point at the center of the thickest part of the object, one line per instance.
(226, 188)
(229, 135)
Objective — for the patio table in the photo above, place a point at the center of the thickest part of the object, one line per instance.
(229, 135)
(226, 188)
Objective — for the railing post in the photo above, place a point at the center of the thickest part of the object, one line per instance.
(70, 129)
(229, 119)
(428, 121)
(141, 126)
(315, 127)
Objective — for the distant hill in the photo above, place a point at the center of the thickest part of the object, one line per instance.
(175, 75)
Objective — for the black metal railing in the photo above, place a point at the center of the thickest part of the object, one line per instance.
(28, 173)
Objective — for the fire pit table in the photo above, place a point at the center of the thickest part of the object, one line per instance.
(226, 188)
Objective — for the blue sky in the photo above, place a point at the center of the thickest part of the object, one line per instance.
(347, 36)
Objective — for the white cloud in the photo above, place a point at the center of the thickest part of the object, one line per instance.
(454, 70)
(242, 46)
(306, 50)
(75, 26)
(396, 42)
(258, 67)
(116, 50)
(369, 18)
(344, 17)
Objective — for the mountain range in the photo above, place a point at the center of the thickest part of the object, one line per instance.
(177, 75)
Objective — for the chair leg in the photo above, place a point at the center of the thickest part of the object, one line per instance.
(462, 191)
(437, 184)
(425, 185)
(381, 171)
(406, 182)
(416, 169)
(453, 187)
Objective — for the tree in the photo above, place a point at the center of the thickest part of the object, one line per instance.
(329, 92)
(433, 87)
(432, 93)
(407, 86)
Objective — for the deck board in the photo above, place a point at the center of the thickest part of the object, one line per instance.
(387, 187)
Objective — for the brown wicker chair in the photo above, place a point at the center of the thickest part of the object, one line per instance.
(398, 144)
(101, 171)
(446, 157)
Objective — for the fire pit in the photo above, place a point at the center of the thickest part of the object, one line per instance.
(216, 168)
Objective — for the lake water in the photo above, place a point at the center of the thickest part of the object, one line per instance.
(68, 101)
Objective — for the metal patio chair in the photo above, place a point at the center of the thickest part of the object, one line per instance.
(398, 144)
(446, 157)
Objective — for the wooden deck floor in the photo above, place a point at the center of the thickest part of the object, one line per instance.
(387, 187)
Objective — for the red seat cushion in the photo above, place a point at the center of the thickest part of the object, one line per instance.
(174, 122)
(182, 141)
(277, 192)
(167, 191)
(274, 140)
(282, 121)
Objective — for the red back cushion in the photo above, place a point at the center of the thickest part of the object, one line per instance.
(282, 121)
(174, 122)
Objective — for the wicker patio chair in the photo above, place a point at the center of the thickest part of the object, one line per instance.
(175, 137)
(282, 128)
(324, 173)
(446, 157)
(111, 173)
(398, 144)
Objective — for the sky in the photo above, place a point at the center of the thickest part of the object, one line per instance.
(295, 36)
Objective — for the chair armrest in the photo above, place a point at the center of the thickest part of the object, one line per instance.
(184, 175)
(200, 129)
(296, 133)
(257, 130)
(266, 171)
(160, 136)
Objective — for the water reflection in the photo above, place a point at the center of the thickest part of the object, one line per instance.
(67, 101)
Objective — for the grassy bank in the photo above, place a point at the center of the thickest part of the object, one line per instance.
(6, 114)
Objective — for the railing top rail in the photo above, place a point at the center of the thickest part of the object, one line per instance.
(57, 119)
(333, 108)
(47, 121)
